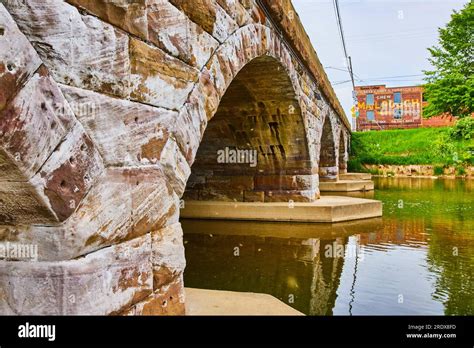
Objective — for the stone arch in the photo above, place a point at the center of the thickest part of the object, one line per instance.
(327, 154)
(259, 49)
(260, 117)
(343, 153)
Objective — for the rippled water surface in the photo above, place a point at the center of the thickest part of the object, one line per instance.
(418, 259)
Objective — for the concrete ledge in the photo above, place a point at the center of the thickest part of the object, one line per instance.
(355, 176)
(326, 209)
(346, 186)
(216, 302)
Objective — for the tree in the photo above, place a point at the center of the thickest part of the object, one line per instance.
(450, 86)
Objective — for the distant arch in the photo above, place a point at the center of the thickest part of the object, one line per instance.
(327, 155)
(343, 153)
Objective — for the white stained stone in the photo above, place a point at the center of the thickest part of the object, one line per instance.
(79, 50)
(235, 9)
(124, 203)
(33, 124)
(18, 59)
(100, 283)
(158, 78)
(125, 132)
(168, 249)
(175, 166)
(69, 173)
(175, 33)
(224, 25)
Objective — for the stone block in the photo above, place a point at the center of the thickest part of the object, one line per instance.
(175, 33)
(69, 172)
(168, 300)
(221, 195)
(236, 10)
(158, 78)
(18, 59)
(290, 195)
(209, 16)
(328, 173)
(20, 203)
(32, 125)
(126, 133)
(230, 182)
(175, 166)
(254, 196)
(101, 283)
(129, 15)
(168, 254)
(285, 182)
(79, 50)
(124, 204)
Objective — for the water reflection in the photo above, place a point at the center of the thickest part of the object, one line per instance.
(418, 259)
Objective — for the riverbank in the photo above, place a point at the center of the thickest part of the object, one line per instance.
(413, 152)
(429, 171)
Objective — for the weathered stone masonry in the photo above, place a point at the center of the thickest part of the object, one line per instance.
(103, 106)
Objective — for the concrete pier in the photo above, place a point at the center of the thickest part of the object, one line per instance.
(326, 209)
(216, 302)
(346, 186)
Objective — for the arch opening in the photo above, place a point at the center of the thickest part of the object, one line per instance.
(343, 154)
(327, 157)
(254, 148)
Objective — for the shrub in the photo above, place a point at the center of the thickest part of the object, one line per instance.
(463, 129)
(375, 171)
(461, 171)
(444, 148)
(438, 170)
(355, 166)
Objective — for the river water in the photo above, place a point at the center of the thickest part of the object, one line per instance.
(416, 260)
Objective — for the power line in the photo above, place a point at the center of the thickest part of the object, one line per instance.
(341, 33)
(340, 69)
(381, 78)
(399, 76)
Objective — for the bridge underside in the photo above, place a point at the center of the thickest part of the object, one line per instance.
(111, 112)
(255, 147)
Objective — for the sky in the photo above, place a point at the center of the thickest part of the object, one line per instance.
(386, 39)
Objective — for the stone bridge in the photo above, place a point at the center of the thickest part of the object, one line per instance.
(112, 111)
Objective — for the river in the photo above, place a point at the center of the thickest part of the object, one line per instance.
(416, 260)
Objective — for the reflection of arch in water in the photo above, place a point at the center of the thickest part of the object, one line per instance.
(282, 259)
(326, 276)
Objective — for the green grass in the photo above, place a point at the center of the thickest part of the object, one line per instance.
(428, 146)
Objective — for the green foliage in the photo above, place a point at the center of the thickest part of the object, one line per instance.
(355, 166)
(450, 86)
(438, 170)
(375, 171)
(463, 129)
(424, 146)
(444, 148)
(461, 171)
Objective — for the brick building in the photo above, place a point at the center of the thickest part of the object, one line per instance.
(382, 107)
